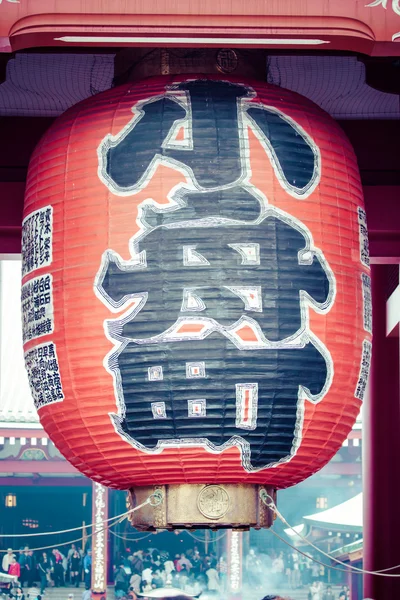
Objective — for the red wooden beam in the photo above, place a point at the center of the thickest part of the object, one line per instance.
(25, 433)
(38, 481)
(37, 466)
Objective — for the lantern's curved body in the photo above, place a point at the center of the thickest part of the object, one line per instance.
(196, 297)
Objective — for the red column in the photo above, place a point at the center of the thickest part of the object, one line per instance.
(381, 442)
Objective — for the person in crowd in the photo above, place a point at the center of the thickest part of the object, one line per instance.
(15, 568)
(222, 569)
(137, 563)
(315, 571)
(278, 567)
(24, 563)
(45, 567)
(157, 580)
(58, 559)
(296, 575)
(212, 578)
(156, 558)
(87, 594)
(132, 595)
(75, 568)
(345, 590)
(183, 577)
(255, 567)
(19, 594)
(169, 566)
(135, 582)
(71, 551)
(176, 561)
(184, 562)
(87, 568)
(32, 566)
(121, 581)
(146, 575)
(315, 592)
(306, 578)
(289, 569)
(328, 594)
(5, 563)
(197, 565)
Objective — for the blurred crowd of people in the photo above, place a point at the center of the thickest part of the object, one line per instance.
(195, 571)
(48, 569)
(144, 571)
(192, 572)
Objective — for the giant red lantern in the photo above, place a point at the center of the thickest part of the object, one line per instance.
(196, 297)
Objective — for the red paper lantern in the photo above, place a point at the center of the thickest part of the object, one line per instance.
(196, 297)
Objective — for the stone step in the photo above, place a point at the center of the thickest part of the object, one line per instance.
(62, 593)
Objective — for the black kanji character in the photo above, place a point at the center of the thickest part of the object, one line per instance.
(216, 157)
(233, 203)
(279, 375)
(216, 276)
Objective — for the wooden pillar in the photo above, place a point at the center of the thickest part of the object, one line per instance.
(381, 451)
(99, 540)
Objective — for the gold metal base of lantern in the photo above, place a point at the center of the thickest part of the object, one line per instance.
(197, 506)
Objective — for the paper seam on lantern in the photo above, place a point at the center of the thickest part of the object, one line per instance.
(37, 240)
(37, 307)
(365, 366)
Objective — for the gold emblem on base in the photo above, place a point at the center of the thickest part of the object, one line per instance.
(213, 502)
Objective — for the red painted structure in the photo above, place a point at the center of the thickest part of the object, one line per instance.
(359, 26)
(370, 28)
